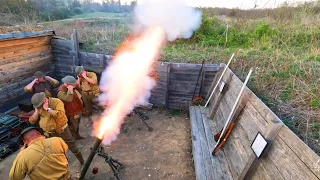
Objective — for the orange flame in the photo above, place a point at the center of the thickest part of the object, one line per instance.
(128, 82)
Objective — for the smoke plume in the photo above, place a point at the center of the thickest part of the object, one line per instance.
(176, 18)
(126, 82)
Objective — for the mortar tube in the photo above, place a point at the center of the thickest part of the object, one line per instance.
(89, 160)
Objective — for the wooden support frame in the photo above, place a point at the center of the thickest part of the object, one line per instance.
(253, 161)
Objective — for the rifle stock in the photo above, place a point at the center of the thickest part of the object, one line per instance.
(221, 144)
(216, 137)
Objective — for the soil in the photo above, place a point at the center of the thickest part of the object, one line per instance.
(164, 153)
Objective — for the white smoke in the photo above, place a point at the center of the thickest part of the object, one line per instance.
(128, 72)
(177, 19)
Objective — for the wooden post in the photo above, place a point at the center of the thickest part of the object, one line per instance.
(75, 51)
(253, 161)
(104, 63)
(167, 85)
(76, 47)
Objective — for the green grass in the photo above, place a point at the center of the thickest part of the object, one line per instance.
(100, 14)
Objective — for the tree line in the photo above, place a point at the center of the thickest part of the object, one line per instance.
(15, 11)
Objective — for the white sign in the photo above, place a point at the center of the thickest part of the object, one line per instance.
(222, 86)
(258, 145)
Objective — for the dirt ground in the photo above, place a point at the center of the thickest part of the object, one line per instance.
(164, 153)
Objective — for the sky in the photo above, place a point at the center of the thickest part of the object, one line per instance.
(243, 4)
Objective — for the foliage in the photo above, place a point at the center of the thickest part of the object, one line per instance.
(18, 11)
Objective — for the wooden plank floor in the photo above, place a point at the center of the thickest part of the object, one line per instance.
(207, 167)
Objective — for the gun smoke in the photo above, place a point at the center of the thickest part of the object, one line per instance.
(126, 82)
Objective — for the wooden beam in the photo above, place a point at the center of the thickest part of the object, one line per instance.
(219, 163)
(253, 161)
(30, 40)
(196, 146)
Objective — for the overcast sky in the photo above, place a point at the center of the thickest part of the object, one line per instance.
(244, 4)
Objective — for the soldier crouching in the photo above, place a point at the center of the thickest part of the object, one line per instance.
(50, 114)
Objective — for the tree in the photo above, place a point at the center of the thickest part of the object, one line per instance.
(133, 4)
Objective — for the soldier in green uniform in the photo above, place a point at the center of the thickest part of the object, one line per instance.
(50, 114)
(71, 97)
(42, 83)
(89, 89)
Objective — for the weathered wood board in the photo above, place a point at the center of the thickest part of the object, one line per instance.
(206, 166)
(287, 158)
(19, 59)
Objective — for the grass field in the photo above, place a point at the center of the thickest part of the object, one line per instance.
(285, 55)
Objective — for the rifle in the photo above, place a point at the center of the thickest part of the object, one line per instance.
(218, 82)
(198, 99)
(221, 137)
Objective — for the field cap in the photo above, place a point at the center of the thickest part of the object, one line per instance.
(79, 70)
(37, 99)
(69, 80)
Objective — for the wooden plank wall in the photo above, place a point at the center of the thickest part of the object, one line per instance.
(174, 88)
(159, 93)
(63, 54)
(288, 157)
(182, 83)
(19, 60)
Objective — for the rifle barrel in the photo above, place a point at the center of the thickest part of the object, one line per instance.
(218, 82)
(235, 106)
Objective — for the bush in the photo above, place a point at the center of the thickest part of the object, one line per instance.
(78, 10)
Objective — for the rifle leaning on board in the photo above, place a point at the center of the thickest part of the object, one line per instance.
(222, 136)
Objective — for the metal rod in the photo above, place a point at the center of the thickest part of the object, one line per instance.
(235, 106)
(89, 160)
(214, 89)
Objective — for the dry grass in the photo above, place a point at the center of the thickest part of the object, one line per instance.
(97, 35)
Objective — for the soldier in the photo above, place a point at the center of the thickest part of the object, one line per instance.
(71, 97)
(90, 90)
(40, 158)
(42, 83)
(50, 114)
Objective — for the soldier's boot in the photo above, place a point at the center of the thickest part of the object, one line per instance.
(90, 122)
(80, 158)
